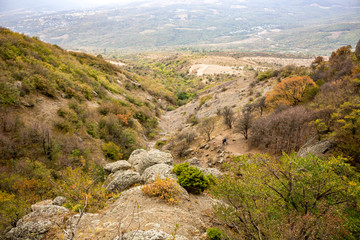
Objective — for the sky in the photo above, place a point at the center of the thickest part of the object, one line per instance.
(10, 5)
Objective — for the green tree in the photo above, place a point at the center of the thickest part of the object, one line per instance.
(289, 198)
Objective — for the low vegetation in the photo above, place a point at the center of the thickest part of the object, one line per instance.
(166, 189)
(191, 178)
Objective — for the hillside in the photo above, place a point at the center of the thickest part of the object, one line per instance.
(62, 112)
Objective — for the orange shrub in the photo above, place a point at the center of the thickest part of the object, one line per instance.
(291, 91)
(166, 189)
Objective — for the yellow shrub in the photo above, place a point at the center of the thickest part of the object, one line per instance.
(166, 189)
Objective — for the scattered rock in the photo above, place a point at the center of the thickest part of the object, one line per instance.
(59, 201)
(44, 215)
(117, 166)
(205, 146)
(193, 161)
(161, 170)
(221, 160)
(187, 152)
(214, 171)
(153, 234)
(141, 159)
(318, 148)
(122, 180)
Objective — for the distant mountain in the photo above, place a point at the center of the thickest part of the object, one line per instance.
(275, 26)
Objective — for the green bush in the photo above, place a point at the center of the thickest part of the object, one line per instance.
(111, 150)
(215, 234)
(191, 178)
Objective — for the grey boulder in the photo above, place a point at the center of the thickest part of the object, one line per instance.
(117, 166)
(141, 159)
(161, 170)
(122, 180)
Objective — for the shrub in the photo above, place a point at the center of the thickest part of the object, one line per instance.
(111, 150)
(215, 234)
(191, 178)
(166, 189)
(159, 144)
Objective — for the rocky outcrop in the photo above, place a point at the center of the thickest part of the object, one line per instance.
(117, 166)
(59, 201)
(314, 147)
(145, 166)
(153, 234)
(141, 159)
(134, 211)
(161, 170)
(44, 215)
(122, 180)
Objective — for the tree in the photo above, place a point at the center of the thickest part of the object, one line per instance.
(357, 50)
(229, 116)
(207, 126)
(290, 91)
(244, 123)
(261, 104)
(287, 198)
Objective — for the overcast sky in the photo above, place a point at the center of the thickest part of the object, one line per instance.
(8, 5)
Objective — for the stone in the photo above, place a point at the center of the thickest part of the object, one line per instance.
(117, 166)
(318, 148)
(194, 161)
(161, 170)
(122, 180)
(59, 201)
(187, 152)
(213, 171)
(205, 146)
(141, 159)
(153, 234)
(44, 216)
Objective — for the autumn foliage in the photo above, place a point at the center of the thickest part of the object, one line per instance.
(290, 91)
(166, 189)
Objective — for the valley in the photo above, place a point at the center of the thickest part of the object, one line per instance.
(130, 146)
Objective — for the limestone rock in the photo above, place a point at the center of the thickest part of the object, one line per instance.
(117, 166)
(194, 161)
(153, 234)
(161, 170)
(315, 147)
(39, 221)
(122, 180)
(214, 171)
(59, 200)
(187, 152)
(141, 159)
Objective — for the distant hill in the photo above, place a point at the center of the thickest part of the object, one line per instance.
(272, 26)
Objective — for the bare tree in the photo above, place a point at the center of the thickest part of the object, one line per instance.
(229, 116)
(261, 104)
(207, 127)
(244, 123)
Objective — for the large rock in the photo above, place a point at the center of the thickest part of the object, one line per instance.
(122, 180)
(161, 170)
(314, 147)
(59, 201)
(141, 159)
(44, 216)
(153, 234)
(212, 171)
(117, 166)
